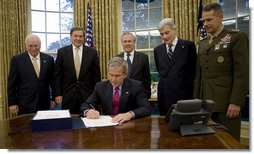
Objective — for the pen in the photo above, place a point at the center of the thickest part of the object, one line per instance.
(91, 106)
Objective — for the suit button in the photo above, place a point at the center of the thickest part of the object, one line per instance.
(207, 61)
(77, 82)
(206, 68)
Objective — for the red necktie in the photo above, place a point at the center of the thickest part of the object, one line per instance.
(116, 101)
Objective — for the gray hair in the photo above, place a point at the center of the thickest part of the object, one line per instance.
(118, 61)
(32, 36)
(128, 33)
(166, 21)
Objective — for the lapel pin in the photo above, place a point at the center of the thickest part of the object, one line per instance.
(44, 61)
(126, 92)
(182, 46)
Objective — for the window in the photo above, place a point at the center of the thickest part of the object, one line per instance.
(51, 21)
(236, 14)
(141, 17)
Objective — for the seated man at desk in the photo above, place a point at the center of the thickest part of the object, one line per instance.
(118, 96)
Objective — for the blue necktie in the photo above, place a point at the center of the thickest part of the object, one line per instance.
(169, 51)
(129, 62)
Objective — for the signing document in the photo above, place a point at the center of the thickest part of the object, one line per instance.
(100, 122)
(52, 114)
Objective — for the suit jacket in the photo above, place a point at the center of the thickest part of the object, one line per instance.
(140, 70)
(222, 72)
(132, 98)
(67, 84)
(25, 89)
(176, 75)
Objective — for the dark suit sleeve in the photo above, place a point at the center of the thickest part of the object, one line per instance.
(13, 82)
(147, 77)
(97, 72)
(92, 99)
(192, 60)
(197, 81)
(156, 58)
(143, 106)
(51, 82)
(58, 73)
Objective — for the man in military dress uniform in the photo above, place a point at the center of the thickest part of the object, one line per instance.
(222, 69)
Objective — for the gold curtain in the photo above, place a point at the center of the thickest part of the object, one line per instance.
(184, 13)
(13, 30)
(105, 16)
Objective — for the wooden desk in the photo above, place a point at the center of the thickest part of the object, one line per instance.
(144, 133)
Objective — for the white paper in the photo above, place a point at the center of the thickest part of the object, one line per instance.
(52, 114)
(100, 122)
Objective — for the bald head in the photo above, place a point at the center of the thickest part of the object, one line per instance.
(30, 37)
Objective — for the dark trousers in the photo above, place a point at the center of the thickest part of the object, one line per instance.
(73, 105)
(233, 125)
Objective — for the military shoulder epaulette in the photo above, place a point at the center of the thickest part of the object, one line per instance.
(234, 30)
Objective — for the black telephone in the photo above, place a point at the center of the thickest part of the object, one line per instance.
(186, 112)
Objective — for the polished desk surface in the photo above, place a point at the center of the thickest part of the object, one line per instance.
(145, 133)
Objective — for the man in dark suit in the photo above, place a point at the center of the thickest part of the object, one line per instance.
(30, 79)
(139, 68)
(175, 60)
(77, 70)
(118, 96)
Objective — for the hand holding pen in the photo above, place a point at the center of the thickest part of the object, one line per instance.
(92, 113)
(91, 106)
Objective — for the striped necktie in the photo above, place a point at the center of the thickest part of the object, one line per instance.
(169, 51)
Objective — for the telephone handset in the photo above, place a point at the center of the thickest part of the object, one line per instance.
(186, 112)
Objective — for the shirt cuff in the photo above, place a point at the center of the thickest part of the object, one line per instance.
(133, 114)
(86, 112)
